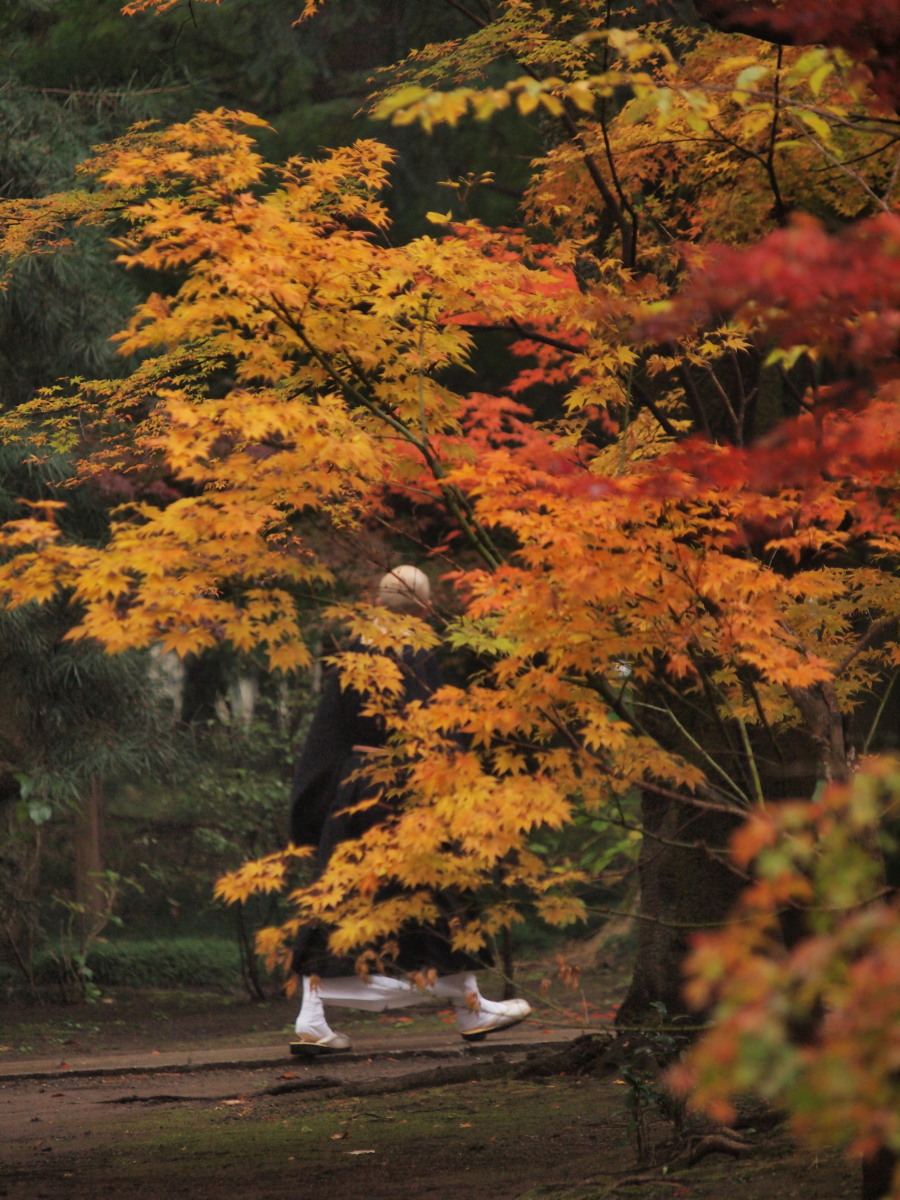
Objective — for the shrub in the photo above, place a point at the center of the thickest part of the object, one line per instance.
(180, 962)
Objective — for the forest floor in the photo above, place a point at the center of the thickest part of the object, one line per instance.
(179, 1094)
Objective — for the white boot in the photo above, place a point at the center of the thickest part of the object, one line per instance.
(476, 1016)
(314, 1035)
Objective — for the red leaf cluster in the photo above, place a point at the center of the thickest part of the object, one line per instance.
(869, 30)
(801, 286)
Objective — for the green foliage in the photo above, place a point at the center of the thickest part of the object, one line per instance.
(603, 845)
(87, 72)
(231, 800)
(57, 311)
(182, 962)
(644, 1058)
(79, 931)
(70, 713)
(810, 1023)
(82, 714)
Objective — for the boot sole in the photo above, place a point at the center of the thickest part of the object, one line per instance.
(315, 1049)
(478, 1035)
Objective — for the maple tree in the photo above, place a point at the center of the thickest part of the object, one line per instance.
(818, 1019)
(681, 583)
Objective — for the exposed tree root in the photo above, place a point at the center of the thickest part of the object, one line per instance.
(724, 1141)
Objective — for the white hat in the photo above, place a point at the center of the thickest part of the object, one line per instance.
(405, 589)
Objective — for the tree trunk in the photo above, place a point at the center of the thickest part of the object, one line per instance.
(89, 892)
(685, 886)
(877, 1174)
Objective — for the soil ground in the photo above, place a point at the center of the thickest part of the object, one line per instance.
(155, 1095)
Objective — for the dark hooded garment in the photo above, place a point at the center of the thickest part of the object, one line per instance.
(328, 781)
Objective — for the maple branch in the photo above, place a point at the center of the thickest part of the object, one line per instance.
(601, 686)
(546, 339)
(651, 834)
(747, 153)
(629, 240)
(892, 140)
(874, 631)
(876, 720)
(853, 121)
(715, 698)
(880, 202)
(650, 919)
(726, 400)
(693, 398)
(798, 396)
(750, 759)
(531, 335)
(577, 139)
(645, 401)
(750, 685)
(565, 117)
(562, 726)
(627, 231)
(737, 793)
(481, 22)
(694, 801)
(780, 210)
(744, 399)
(456, 501)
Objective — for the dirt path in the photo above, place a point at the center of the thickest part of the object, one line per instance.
(41, 1101)
(426, 1122)
(148, 1096)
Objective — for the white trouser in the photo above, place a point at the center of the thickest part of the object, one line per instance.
(474, 1014)
(375, 993)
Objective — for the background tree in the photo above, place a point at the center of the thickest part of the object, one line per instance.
(76, 723)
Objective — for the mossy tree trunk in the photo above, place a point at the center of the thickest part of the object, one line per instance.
(686, 885)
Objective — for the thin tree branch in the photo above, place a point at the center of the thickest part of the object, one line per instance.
(455, 500)
(481, 22)
(645, 401)
(866, 640)
(736, 791)
(780, 210)
(693, 399)
(726, 400)
(577, 139)
(877, 200)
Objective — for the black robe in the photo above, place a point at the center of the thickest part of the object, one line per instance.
(323, 789)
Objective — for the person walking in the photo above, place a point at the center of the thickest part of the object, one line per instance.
(329, 783)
